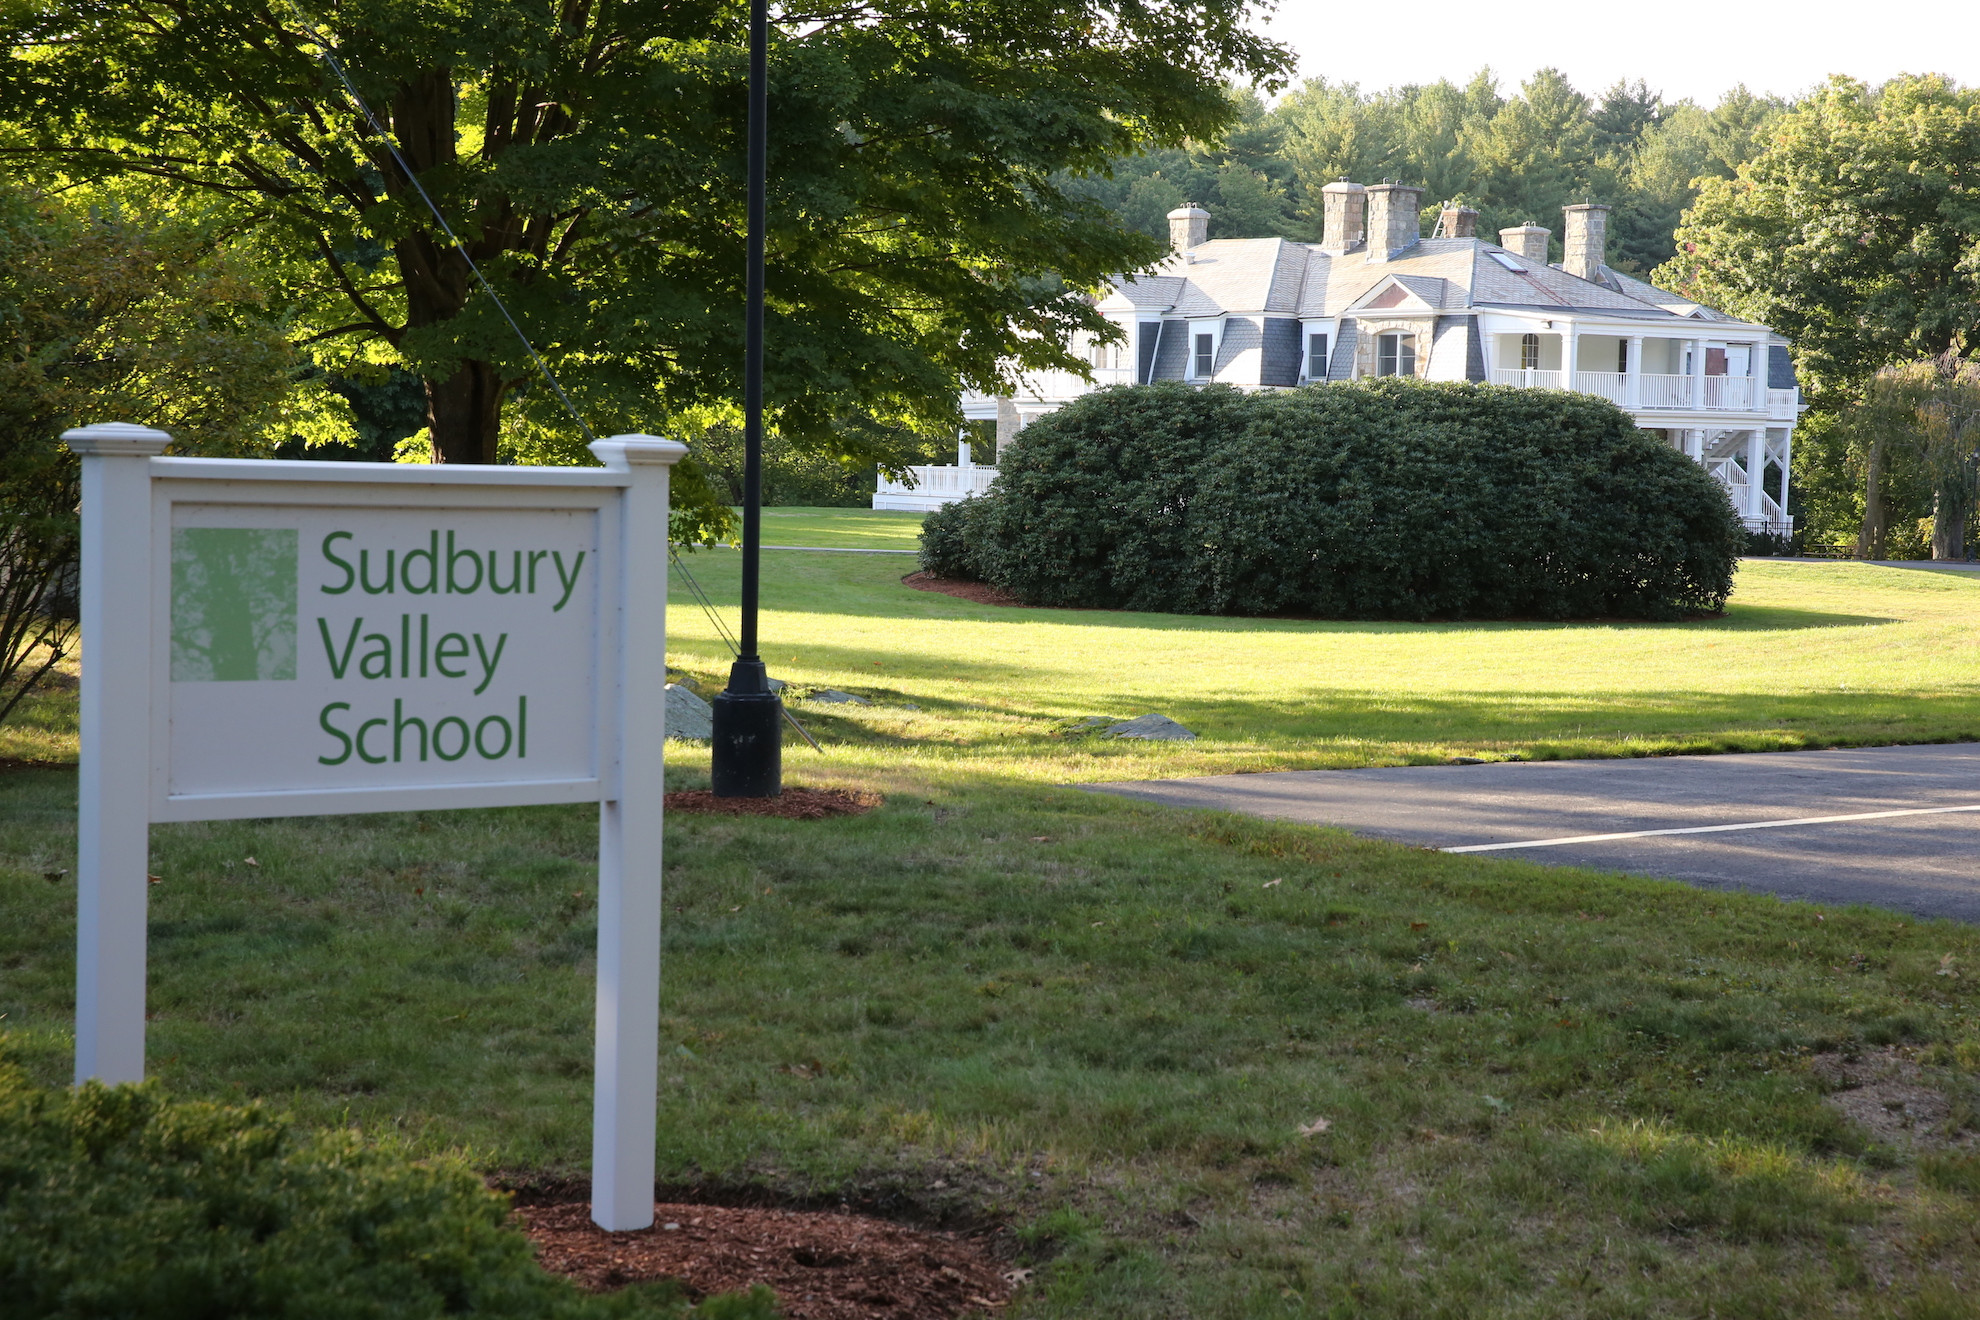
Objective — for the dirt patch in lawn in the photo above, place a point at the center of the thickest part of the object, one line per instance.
(822, 1265)
(1882, 1090)
(977, 593)
(792, 804)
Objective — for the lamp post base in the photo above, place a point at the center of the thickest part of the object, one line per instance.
(747, 758)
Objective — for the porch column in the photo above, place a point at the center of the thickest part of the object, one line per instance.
(1787, 448)
(1756, 470)
(1570, 353)
(1757, 381)
(1633, 380)
(964, 458)
(1694, 445)
(1697, 373)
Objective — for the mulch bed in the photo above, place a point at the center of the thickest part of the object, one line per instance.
(792, 804)
(821, 1266)
(979, 593)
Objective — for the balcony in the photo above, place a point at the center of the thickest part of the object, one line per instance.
(1691, 393)
(933, 487)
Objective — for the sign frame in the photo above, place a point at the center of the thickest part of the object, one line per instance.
(129, 490)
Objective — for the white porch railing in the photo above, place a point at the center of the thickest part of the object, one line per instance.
(1783, 405)
(1532, 380)
(1664, 391)
(934, 486)
(1733, 393)
(1610, 385)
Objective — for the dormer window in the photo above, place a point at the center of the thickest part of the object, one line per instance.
(1206, 356)
(1395, 355)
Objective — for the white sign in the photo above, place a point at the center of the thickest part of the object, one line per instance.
(278, 639)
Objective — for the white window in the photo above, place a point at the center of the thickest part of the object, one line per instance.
(1316, 357)
(1529, 352)
(1395, 355)
(1206, 356)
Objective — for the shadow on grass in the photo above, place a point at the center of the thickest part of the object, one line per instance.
(864, 588)
(1548, 722)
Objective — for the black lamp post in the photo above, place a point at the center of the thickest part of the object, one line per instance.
(748, 742)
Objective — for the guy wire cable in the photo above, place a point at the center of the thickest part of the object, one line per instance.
(549, 376)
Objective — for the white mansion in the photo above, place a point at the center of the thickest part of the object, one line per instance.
(1379, 299)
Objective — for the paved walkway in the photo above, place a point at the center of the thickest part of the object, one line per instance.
(1898, 827)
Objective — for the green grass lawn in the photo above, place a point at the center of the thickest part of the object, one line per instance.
(868, 529)
(1545, 1092)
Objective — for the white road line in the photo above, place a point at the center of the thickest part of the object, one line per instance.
(1709, 829)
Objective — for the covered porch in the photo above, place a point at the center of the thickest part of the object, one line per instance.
(1751, 462)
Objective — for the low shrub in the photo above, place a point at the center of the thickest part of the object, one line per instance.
(115, 1201)
(951, 536)
(1393, 499)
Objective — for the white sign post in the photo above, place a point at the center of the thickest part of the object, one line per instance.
(289, 639)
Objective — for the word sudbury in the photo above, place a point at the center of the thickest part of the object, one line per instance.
(433, 579)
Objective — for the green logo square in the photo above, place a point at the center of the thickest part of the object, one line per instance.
(233, 604)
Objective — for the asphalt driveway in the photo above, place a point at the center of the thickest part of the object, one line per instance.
(1898, 827)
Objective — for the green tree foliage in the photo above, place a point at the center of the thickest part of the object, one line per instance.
(1387, 498)
(809, 477)
(1240, 176)
(120, 1202)
(1516, 158)
(107, 316)
(591, 158)
(1919, 420)
(1855, 232)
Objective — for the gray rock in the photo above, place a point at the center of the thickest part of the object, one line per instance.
(834, 697)
(688, 716)
(1151, 728)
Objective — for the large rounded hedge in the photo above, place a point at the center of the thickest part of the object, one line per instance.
(1381, 499)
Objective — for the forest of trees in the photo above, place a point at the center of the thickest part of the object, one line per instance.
(1515, 157)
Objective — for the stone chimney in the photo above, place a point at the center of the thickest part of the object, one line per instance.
(1189, 225)
(1393, 224)
(1586, 242)
(1528, 241)
(1343, 205)
(1456, 221)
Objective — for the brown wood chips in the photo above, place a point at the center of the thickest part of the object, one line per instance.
(821, 1266)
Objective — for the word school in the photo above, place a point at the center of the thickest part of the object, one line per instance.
(435, 579)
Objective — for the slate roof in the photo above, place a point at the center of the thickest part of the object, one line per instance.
(1276, 276)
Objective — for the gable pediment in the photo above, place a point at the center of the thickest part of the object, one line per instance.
(1401, 296)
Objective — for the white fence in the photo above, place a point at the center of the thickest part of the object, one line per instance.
(932, 487)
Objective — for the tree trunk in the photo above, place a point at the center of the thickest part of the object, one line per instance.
(465, 414)
(1870, 539)
(464, 410)
(1948, 528)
